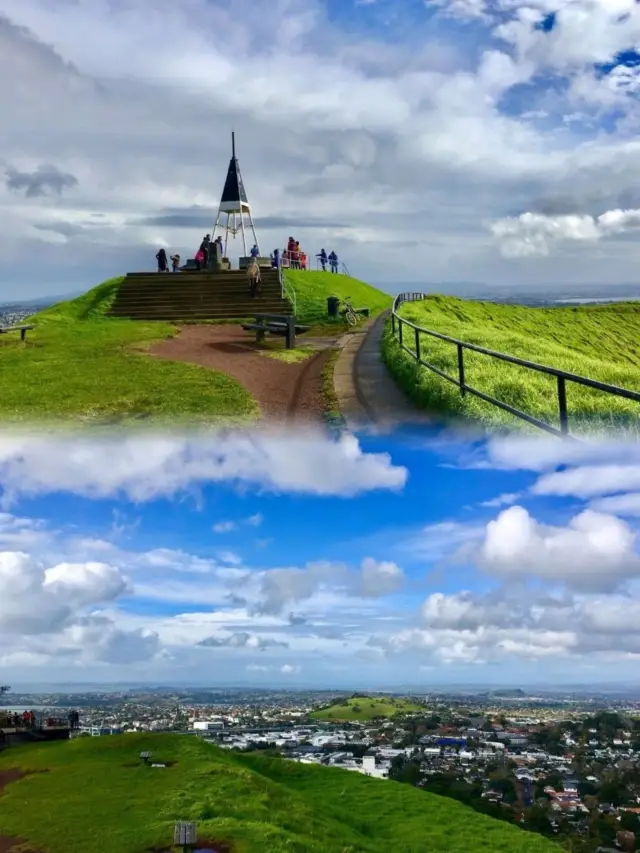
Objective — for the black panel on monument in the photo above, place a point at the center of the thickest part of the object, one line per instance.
(233, 187)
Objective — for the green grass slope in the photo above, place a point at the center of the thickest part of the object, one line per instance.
(600, 342)
(97, 797)
(313, 288)
(366, 709)
(79, 365)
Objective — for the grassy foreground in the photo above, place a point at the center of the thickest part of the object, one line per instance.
(600, 342)
(97, 797)
(366, 708)
(79, 365)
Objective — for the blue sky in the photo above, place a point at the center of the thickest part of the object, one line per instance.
(383, 561)
(427, 141)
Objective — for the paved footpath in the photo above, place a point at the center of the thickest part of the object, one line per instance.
(366, 392)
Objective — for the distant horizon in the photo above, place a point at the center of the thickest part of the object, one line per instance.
(544, 687)
(466, 289)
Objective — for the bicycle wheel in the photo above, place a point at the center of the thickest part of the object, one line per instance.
(352, 319)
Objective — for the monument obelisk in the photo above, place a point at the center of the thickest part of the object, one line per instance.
(234, 205)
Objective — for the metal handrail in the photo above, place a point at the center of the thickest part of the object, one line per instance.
(286, 290)
(562, 376)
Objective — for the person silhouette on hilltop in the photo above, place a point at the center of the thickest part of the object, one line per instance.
(163, 265)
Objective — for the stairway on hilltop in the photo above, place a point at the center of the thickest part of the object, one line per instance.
(204, 295)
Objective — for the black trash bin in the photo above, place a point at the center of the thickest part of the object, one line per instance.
(333, 304)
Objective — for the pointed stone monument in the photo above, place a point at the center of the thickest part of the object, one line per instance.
(234, 205)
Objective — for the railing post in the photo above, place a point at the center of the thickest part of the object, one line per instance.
(400, 324)
(417, 332)
(562, 405)
(393, 323)
(461, 369)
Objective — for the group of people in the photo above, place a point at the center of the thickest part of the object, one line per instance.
(28, 720)
(331, 259)
(209, 249)
(293, 257)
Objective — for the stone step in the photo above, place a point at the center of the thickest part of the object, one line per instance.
(205, 293)
(171, 311)
(171, 315)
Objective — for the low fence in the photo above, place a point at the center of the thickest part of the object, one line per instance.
(402, 328)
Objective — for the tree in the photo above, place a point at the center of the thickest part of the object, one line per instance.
(538, 821)
(613, 791)
(630, 822)
(404, 770)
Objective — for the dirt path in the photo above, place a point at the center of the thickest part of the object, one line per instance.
(285, 392)
(8, 845)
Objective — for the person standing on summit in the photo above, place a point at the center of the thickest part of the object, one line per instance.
(161, 258)
(204, 248)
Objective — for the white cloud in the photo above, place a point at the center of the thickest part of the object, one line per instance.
(380, 578)
(50, 611)
(466, 627)
(145, 468)
(282, 588)
(532, 234)
(625, 505)
(231, 526)
(225, 527)
(104, 199)
(594, 551)
(544, 454)
(588, 481)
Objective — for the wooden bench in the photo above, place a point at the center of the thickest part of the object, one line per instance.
(276, 324)
(22, 329)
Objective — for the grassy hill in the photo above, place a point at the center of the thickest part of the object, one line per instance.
(366, 709)
(79, 365)
(313, 289)
(98, 797)
(600, 342)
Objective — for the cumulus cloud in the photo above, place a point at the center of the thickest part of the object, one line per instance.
(281, 589)
(470, 628)
(532, 234)
(242, 640)
(50, 610)
(35, 598)
(594, 551)
(363, 166)
(145, 468)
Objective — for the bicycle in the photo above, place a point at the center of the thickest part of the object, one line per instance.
(350, 315)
